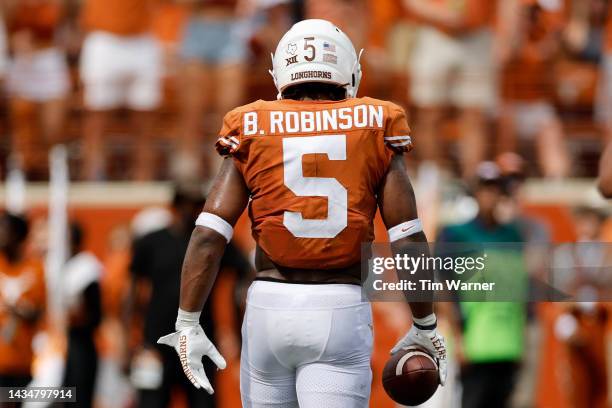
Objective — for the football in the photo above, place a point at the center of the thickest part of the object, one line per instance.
(410, 377)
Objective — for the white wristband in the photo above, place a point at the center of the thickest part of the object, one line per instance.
(186, 319)
(215, 223)
(405, 229)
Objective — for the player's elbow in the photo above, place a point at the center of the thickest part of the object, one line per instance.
(206, 240)
(205, 251)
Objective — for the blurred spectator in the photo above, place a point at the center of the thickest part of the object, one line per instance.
(114, 282)
(528, 109)
(581, 268)
(584, 32)
(113, 388)
(454, 64)
(157, 260)
(392, 34)
(490, 337)
(589, 223)
(3, 47)
(37, 81)
(578, 71)
(589, 35)
(273, 20)
(213, 51)
(121, 66)
(22, 303)
(510, 209)
(82, 300)
(581, 328)
(350, 15)
(537, 236)
(604, 97)
(605, 172)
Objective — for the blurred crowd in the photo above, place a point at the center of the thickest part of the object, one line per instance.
(137, 88)
(95, 324)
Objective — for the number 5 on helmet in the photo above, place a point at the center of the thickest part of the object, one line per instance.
(316, 46)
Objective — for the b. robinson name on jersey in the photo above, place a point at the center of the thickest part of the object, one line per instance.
(284, 122)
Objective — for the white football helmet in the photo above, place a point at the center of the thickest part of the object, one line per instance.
(316, 51)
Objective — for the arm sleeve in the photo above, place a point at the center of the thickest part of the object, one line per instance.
(228, 143)
(397, 133)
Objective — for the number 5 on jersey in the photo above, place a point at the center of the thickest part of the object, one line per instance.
(294, 149)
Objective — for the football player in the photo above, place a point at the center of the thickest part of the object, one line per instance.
(313, 168)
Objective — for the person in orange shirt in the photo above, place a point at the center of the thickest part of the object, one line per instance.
(121, 66)
(353, 15)
(37, 81)
(587, 20)
(454, 63)
(604, 96)
(528, 89)
(3, 47)
(22, 302)
(213, 53)
(581, 327)
(581, 330)
(605, 172)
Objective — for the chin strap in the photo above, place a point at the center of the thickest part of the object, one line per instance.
(271, 72)
(357, 75)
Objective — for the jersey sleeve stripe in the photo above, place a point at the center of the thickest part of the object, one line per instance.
(407, 142)
(227, 142)
(397, 137)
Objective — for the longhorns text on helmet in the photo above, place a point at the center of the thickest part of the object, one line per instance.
(316, 51)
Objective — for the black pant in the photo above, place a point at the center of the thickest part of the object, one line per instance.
(81, 369)
(173, 376)
(8, 380)
(487, 385)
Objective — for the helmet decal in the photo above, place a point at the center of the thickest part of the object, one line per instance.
(316, 51)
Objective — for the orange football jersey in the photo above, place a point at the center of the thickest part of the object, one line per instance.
(313, 169)
(21, 285)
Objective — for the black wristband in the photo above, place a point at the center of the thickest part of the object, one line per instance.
(428, 327)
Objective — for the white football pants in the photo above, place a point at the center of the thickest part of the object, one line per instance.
(306, 346)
